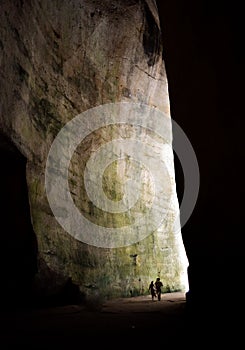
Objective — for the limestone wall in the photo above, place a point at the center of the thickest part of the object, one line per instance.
(59, 59)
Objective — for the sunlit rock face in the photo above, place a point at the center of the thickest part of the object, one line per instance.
(60, 59)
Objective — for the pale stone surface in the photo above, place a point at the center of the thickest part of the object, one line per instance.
(58, 59)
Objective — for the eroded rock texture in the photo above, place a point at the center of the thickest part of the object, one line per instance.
(59, 59)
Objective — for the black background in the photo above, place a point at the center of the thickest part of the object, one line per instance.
(204, 56)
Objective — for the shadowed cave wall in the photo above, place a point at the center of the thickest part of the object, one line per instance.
(18, 241)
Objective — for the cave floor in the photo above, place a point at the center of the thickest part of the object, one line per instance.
(126, 321)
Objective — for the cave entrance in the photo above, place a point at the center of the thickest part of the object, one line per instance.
(18, 243)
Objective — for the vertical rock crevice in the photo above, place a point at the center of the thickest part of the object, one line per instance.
(152, 41)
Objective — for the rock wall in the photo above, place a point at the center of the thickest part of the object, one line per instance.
(59, 59)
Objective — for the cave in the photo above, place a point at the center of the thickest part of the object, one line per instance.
(204, 60)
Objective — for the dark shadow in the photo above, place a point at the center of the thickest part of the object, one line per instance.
(204, 56)
(18, 245)
(179, 178)
(50, 289)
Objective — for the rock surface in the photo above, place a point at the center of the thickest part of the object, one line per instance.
(59, 59)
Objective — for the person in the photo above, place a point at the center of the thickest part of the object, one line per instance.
(158, 286)
(152, 290)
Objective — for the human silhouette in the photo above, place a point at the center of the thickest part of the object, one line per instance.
(158, 286)
(152, 290)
